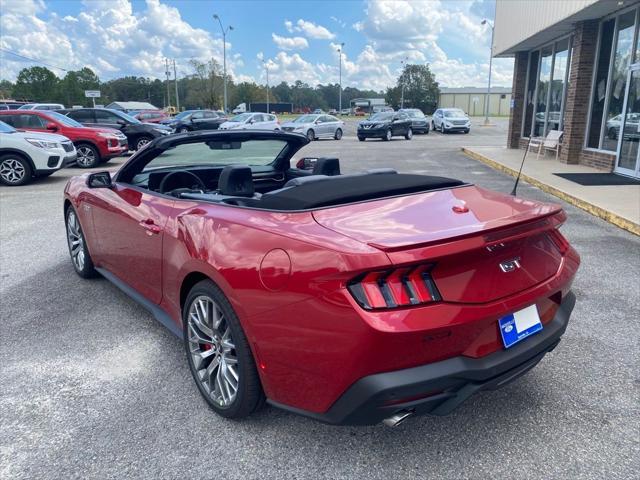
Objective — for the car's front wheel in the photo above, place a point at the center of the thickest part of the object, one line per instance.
(409, 134)
(362, 139)
(80, 258)
(311, 135)
(14, 170)
(88, 156)
(388, 135)
(218, 353)
(142, 141)
(182, 130)
(338, 134)
(442, 130)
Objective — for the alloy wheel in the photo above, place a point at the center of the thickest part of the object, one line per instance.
(311, 135)
(12, 171)
(141, 143)
(388, 135)
(76, 240)
(213, 351)
(409, 134)
(86, 156)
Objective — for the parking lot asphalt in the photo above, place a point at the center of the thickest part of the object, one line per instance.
(91, 386)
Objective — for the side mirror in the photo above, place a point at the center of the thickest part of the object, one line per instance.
(51, 126)
(99, 180)
(252, 121)
(306, 163)
(317, 121)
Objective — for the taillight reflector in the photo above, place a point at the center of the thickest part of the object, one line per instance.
(398, 287)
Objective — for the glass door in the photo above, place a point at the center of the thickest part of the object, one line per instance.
(628, 127)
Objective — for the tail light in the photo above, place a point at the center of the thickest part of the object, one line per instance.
(399, 287)
(559, 240)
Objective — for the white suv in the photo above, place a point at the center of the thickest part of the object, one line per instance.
(41, 106)
(25, 155)
(450, 120)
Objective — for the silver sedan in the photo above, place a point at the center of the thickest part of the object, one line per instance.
(316, 126)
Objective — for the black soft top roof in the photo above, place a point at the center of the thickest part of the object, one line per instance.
(343, 189)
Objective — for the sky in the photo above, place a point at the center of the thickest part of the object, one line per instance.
(293, 39)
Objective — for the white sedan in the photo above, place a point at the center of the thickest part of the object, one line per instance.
(26, 155)
(252, 121)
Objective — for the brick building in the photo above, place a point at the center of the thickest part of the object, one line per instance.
(576, 69)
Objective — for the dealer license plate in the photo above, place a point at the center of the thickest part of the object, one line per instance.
(519, 325)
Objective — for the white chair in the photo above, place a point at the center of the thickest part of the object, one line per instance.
(551, 142)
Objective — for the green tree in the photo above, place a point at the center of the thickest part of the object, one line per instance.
(6, 89)
(420, 89)
(72, 86)
(204, 88)
(36, 84)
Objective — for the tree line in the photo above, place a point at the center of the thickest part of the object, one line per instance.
(203, 88)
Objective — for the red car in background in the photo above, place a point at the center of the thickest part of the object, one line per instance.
(351, 299)
(150, 116)
(94, 145)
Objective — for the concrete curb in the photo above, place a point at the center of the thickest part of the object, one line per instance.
(610, 217)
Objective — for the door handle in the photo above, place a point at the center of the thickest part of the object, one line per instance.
(150, 226)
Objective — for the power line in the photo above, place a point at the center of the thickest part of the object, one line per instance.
(32, 59)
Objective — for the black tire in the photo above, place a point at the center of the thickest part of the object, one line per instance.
(249, 396)
(182, 130)
(311, 135)
(15, 170)
(88, 156)
(388, 135)
(433, 125)
(362, 139)
(466, 131)
(86, 269)
(338, 134)
(409, 134)
(442, 130)
(142, 141)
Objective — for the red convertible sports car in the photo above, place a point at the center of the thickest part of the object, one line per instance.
(351, 299)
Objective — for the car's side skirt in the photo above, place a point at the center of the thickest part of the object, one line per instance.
(160, 315)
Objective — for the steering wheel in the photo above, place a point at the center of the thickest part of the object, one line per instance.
(181, 179)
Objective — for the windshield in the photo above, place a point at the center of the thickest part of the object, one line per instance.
(183, 115)
(221, 152)
(243, 117)
(126, 117)
(4, 128)
(306, 119)
(415, 114)
(454, 113)
(382, 116)
(63, 119)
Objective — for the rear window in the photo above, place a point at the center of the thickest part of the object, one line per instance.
(216, 153)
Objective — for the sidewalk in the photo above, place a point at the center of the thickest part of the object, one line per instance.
(618, 204)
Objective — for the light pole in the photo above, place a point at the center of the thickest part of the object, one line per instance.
(340, 48)
(402, 62)
(224, 57)
(488, 96)
(266, 68)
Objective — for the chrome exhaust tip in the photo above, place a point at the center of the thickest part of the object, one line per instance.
(397, 418)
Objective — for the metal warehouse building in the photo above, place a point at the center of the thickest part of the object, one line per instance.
(471, 100)
(576, 69)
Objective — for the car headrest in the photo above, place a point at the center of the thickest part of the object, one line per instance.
(327, 166)
(236, 180)
(295, 182)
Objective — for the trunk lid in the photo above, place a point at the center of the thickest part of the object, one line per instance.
(484, 245)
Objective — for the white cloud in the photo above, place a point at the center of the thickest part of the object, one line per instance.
(288, 24)
(289, 43)
(107, 36)
(311, 30)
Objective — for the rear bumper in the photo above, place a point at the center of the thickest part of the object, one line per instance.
(439, 387)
